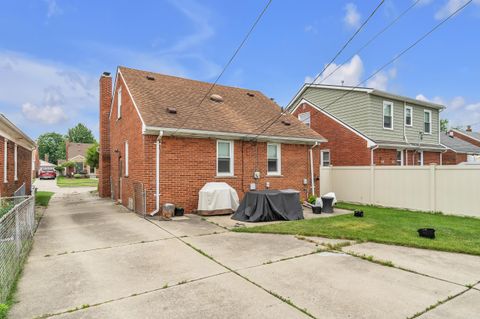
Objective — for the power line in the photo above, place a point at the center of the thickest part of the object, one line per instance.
(276, 118)
(396, 57)
(262, 13)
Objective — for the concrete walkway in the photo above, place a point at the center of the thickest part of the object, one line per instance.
(94, 259)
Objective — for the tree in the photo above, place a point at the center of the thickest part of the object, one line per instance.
(92, 155)
(52, 144)
(443, 125)
(80, 134)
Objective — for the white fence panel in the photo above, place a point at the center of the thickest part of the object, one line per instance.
(450, 189)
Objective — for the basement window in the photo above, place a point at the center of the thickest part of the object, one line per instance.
(273, 159)
(304, 118)
(224, 158)
(119, 103)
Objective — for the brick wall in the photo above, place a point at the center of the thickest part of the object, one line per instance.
(389, 157)
(104, 152)
(452, 158)
(466, 139)
(24, 169)
(346, 147)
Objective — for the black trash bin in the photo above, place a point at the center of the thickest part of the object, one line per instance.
(317, 209)
(327, 204)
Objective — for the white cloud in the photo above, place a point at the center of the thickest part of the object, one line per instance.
(450, 7)
(44, 115)
(53, 8)
(352, 16)
(310, 28)
(351, 73)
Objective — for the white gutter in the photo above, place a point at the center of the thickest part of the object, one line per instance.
(311, 168)
(157, 174)
(371, 154)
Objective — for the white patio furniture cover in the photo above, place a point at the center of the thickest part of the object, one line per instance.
(217, 196)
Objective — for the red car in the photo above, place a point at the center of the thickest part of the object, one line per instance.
(47, 173)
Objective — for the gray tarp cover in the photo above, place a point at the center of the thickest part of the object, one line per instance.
(268, 205)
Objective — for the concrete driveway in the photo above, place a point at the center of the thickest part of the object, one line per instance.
(94, 259)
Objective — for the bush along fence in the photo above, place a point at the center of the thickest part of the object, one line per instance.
(17, 226)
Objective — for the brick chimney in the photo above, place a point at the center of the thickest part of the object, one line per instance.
(104, 151)
(469, 128)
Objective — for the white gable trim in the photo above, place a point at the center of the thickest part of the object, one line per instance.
(466, 135)
(129, 94)
(370, 143)
(78, 157)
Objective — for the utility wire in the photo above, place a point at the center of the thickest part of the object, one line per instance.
(276, 118)
(252, 28)
(395, 58)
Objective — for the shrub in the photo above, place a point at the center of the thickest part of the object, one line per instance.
(312, 199)
(77, 176)
(3, 310)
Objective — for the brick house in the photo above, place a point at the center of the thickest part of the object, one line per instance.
(365, 126)
(15, 159)
(458, 150)
(76, 153)
(165, 135)
(467, 135)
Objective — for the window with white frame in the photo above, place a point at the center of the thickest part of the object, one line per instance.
(126, 158)
(273, 159)
(420, 158)
(325, 157)
(224, 158)
(399, 157)
(15, 166)
(119, 103)
(305, 118)
(427, 122)
(408, 116)
(388, 115)
(5, 161)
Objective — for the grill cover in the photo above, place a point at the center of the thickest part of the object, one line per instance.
(269, 205)
(217, 198)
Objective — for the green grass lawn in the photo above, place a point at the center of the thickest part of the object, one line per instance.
(42, 198)
(389, 226)
(76, 182)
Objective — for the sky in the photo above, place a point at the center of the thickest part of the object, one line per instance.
(52, 52)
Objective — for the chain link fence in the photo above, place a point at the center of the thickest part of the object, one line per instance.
(139, 199)
(17, 226)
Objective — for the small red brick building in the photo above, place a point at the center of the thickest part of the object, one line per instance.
(460, 148)
(15, 159)
(366, 126)
(169, 136)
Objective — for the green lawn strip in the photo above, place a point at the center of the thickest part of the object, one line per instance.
(76, 182)
(388, 226)
(43, 198)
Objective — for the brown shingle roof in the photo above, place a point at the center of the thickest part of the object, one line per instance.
(75, 149)
(239, 112)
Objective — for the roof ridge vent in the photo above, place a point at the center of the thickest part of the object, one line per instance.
(171, 110)
(150, 78)
(216, 98)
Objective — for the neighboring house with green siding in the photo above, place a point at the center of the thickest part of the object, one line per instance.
(366, 126)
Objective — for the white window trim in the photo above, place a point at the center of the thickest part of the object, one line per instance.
(304, 121)
(126, 158)
(405, 116)
(420, 154)
(321, 158)
(430, 117)
(279, 160)
(15, 162)
(383, 114)
(119, 103)
(402, 161)
(231, 173)
(5, 161)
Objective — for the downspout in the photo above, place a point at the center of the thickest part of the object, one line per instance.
(371, 154)
(311, 168)
(158, 143)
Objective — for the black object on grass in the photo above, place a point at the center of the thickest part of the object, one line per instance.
(358, 213)
(427, 233)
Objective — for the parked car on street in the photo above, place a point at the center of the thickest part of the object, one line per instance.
(47, 173)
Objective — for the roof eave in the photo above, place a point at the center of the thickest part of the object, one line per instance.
(13, 133)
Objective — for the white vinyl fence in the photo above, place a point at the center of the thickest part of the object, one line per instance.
(17, 225)
(449, 189)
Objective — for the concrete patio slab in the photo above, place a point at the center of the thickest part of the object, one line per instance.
(242, 250)
(332, 285)
(329, 241)
(459, 268)
(465, 306)
(55, 284)
(189, 225)
(223, 296)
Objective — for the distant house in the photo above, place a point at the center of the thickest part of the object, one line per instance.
(366, 126)
(76, 153)
(15, 160)
(164, 137)
(458, 150)
(468, 135)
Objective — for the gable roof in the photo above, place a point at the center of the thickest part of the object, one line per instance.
(242, 113)
(458, 145)
(14, 134)
(365, 90)
(473, 135)
(76, 149)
